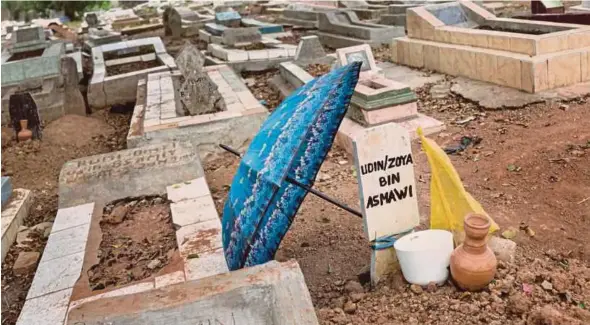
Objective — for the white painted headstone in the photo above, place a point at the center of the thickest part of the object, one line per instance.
(387, 188)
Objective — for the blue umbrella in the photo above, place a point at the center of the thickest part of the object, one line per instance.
(279, 167)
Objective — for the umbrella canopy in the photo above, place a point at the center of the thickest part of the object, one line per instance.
(292, 143)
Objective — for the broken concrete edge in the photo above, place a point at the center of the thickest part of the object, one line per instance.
(282, 284)
(58, 272)
(16, 210)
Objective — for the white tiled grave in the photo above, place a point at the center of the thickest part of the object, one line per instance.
(105, 90)
(197, 224)
(155, 117)
(13, 214)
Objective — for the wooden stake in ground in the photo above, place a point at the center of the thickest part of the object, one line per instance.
(387, 190)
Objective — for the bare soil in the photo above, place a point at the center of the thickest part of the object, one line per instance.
(138, 240)
(548, 142)
(114, 70)
(258, 84)
(35, 165)
(317, 70)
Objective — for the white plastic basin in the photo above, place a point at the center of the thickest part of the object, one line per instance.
(425, 255)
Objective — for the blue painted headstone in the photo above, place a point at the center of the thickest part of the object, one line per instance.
(215, 29)
(6, 189)
(228, 18)
(264, 28)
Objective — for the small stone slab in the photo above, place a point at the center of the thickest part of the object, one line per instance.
(73, 217)
(309, 49)
(66, 242)
(272, 293)
(6, 189)
(206, 264)
(233, 36)
(169, 279)
(190, 60)
(55, 275)
(193, 211)
(25, 262)
(188, 190)
(133, 172)
(361, 53)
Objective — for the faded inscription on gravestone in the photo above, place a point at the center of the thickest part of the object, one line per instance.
(122, 162)
(28, 34)
(232, 36)
(385, 171)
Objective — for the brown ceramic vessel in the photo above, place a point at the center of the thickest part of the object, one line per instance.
(24, 134)
(473, 264)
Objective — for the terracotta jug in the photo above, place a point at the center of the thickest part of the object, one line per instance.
(24, 134)
(473, 264)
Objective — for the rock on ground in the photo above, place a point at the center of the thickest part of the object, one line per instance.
(25, 262)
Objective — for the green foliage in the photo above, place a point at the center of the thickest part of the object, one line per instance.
(72, 9)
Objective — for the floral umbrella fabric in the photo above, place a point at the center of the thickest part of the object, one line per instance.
(292, 143)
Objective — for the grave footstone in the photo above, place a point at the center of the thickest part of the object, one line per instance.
(241, 36)
(228, 18)
(387, 190)
(91, 19)
(199, 95)
(309, 49)
(22, 106)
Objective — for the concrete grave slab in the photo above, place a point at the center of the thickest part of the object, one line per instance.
(132, 172)
(272, 293)
(310, 51)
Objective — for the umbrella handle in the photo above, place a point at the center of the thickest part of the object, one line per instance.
(307, 188)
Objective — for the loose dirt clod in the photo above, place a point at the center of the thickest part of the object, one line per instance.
(138, 237)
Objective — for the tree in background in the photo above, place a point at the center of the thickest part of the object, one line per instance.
(72, 9)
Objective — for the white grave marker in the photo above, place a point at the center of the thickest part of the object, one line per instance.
(387, 189)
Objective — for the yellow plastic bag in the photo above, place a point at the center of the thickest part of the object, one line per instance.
(449, 202)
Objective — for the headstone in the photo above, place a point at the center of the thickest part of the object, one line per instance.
(388, 194)
(73, 99)
(199, 94)
(361, 53)
(228, 18)
(190, 60)
(309, 49)
(22, 107)
(239, 36)
(356, 4)
(91, 19)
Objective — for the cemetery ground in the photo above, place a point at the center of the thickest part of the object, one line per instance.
(531, 172)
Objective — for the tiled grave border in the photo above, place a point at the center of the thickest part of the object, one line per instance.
(193, 214)
(157, 99)
(13, 214)
(119, 89)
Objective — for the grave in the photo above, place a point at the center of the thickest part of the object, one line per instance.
(118, 19)
(86, 187)
(244, 49)
(272, 293)
(396, 13)
(119, 66)
(304, 15)
(387, 191)
(364, 10)
(547, 7)
(292, 75)
(34, 65)
(378, 100)
(183, 22)
(159, 115)
(15, 208)
(99, 36)
(342, 29)
(231, 20)
(554, 11)
(462, 39)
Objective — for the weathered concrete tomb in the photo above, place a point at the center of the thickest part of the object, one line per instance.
(462, 39)
(119, 66)
(42, 68)
(342, 29)
(99, 36)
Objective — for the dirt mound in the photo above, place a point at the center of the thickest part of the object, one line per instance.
(75, 130)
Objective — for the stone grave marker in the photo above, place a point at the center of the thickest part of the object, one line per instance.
(361, 53)
(228, 18)
(309, 49)
(241, 36)
(73, 100)
(387, 190)
(91, 19)
(190, 60)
